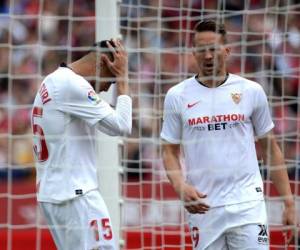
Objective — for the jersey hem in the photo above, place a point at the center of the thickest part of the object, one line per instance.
(236, 203)
(48, 200)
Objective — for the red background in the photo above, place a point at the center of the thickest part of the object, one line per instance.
(28, 237)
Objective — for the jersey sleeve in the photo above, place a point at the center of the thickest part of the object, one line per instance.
(80, 100)
(120, 121)
(172, 126)
(261, 117)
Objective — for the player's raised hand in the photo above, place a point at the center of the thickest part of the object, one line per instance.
(193, 199)
(119, 64)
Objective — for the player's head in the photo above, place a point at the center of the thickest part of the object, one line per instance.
(106, 78)
(210, 48)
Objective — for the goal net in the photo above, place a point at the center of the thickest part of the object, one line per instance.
(264, 36)
(36, 36)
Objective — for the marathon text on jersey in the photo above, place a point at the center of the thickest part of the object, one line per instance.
(216, 118)
(44, 94)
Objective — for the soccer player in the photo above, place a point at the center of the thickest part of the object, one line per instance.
(66, 115)
(216, 116)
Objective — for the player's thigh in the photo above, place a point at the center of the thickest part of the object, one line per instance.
(80, 224)
(219, 243)
(207, 229)
(65, 223)
(248, 237)
(56, 221)
(96, 223)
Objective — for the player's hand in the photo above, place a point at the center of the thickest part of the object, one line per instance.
(289, 219)
(193, 199)
(119, 65)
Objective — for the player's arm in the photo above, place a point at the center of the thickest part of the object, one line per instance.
(191, 196)
(171, 135)
(119, 121)
(273, 157)
(171, 160)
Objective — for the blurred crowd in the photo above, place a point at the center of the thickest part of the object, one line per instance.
(37, 35)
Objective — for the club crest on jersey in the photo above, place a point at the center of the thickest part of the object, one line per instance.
(93, 97)
(236, 97)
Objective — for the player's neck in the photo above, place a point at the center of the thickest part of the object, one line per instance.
(83, 67)
(212, 81)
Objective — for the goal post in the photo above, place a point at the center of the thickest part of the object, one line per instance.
(107, 27)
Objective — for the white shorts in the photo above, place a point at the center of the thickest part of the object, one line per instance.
(231, 227)
(82, 223)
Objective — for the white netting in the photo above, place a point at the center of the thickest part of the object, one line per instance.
(35, 36)
(265, 41)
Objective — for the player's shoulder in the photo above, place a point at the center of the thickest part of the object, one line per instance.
(63, 78)
(178, 89)
(244, 82)
(62, 74)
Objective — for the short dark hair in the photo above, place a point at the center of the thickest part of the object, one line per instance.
(211, 25)
(103, 46)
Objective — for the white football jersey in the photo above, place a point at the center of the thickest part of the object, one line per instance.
(217, 128)
(64, 117)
